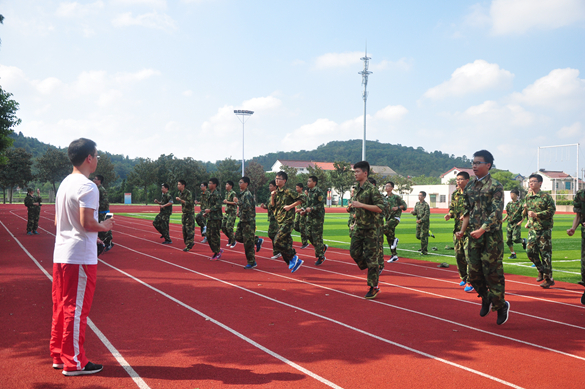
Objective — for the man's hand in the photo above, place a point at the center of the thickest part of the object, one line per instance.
(225, 201)
(532, 214)
(179, 199)
(273, 193)
(288, 207)
(298, 210)
(156, 201)
(395, 208)
(357, 204)
(236, 200)
(447, 217)
(477, 233)
(263, 206)
(108, 224)
(207, 211)
(308, 210)
(459, 234)
(570, 231)
(527, 224)
(519, 223)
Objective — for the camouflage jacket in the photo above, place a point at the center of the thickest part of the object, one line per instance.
(484, 203)
(367, 194)
(283, 198)
(544, 206)
(104, 202)
(422, 211)
(247, 207)
(204, 200)
(394, 201)
(215, 205)
(514, 209)
(316, 201)
(579, 204)
(351, 211)
(270, 211)
(30, 200)
(457, 209)
(188, 206)
(230, 209)
(165, 199)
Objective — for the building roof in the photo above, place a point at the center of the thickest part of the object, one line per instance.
(306, 164)
(459, 170)
(384, 171)
(554, 174)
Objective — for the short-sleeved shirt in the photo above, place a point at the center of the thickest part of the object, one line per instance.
(187, 206)
(544, 207)
(229, 208)
(215, 205)
(484, 203)
(367, 194)
(247, 207)
(165, 199)
(514, 210)
(283, 198)
(73, 244)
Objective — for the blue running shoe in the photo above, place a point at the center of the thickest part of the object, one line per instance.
(259, 244)
(297, 265)
(29, 233)
(293, 262)
(468, 288)
(248, 266)
(533, 265)
(462, 283)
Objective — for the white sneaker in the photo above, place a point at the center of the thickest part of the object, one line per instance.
(234, 244)
(276, 256)
(394, 244)
(394, 258)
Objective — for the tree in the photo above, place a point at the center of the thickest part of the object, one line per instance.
(402, 185)
(506, 178)
(53, 166)
(8, 121)
(143, 175)
(17, 171)
(291, 172)
(341, 178)
(228, 170)
(106, 168)
(255, 172)
(424, 180)
(321, 175)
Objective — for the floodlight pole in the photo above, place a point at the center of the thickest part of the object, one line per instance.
(365, 73)
(244, 115)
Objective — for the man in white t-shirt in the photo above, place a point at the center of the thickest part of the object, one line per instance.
(75, 260)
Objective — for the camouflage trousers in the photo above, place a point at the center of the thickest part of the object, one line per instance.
(486, 269)
(283, 242)
(315, 234)
(246, 234)
(105, 236)
(272, 230)
(380, 238)
(161, 223)
(214, 235)
(201, 221)
(227, 226)
(539, 250)
(422, 234)
(32, 222)
(513, 234)
(390, 232)
(460, 246)
(188, 229)
(583, 253)
(301, 227)
(364, 249)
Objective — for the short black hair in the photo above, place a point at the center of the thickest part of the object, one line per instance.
(273, 183)
(214, 180)
(79, 149)
(246, 180)
(28, 190)
(363, 165)
(487, 157)
(390, 182)
(373, 181)
(465, 175)
(166, 186)
(537, 176)
(314, 179)
(515, 191)
(282, 175)
(100, 177)
(300, 185)
(423, 193)
(230, 183)
(183, 182)
(204, 184)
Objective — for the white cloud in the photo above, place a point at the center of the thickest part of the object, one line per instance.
(188, 93)
(520, 16)
(137, 76)
(492, 113)
(470, 78)
(478, 16)
(262, 103)
(49, 85)
(574, 130)
(391, 112)
(561, 89)
(336, 60)
(76, 10)
(149, 20)
(162, 4)
(404, 64)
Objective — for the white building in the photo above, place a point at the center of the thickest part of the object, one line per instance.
(438, 196)
(452, 173)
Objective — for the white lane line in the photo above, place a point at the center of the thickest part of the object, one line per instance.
(116, 354)
(430, 356)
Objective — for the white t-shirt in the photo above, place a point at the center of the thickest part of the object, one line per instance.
(73, 244)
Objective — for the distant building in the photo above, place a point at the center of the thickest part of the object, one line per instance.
(452, 173)
(383, 171)
(438, 196)
(301, 166)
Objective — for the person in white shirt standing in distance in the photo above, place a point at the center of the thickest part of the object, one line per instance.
(75, 260)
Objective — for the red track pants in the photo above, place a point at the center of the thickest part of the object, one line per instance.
(73, 288)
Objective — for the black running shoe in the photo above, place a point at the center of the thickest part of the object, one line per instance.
(372, 293)
(486, 307)
(503, 314)
(320, 261)
(259, 244)
(583, 299)
(90, 368)
(524, 243)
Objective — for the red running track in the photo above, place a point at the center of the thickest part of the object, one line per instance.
(178, 320)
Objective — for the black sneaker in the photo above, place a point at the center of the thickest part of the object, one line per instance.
(108, 248)
(372, 293)
(304, 246)
(583, 299)
(167, 242)
(325, 247)
(503, 314)
(187, 248)
(259, 244)
(524, 243)
(100, 249)
(486, 307)
(320, 261)
(90, 368)
(162, 236)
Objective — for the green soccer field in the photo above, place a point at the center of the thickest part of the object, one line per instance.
(566, 250)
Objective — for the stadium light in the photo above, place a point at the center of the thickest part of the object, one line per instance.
(365, 73)
(244, 115)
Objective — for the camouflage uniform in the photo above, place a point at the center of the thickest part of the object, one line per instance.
(201, 218)
(34, 212)
(380, 234)
(513, 231)
(301, 224)
(283, 242)
(272, 227)
(539, 248)
(579, 208)
(215, 205)
(315, 219)
(229, 219)
(161, 221)
(484, 203)
(187, 218)
(456, 210)
(106, 236)
(422, 211)
(393, 218)
(351, 218)
(365, 240)
(246, 231)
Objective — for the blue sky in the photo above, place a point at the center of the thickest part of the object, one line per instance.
(150, 77)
